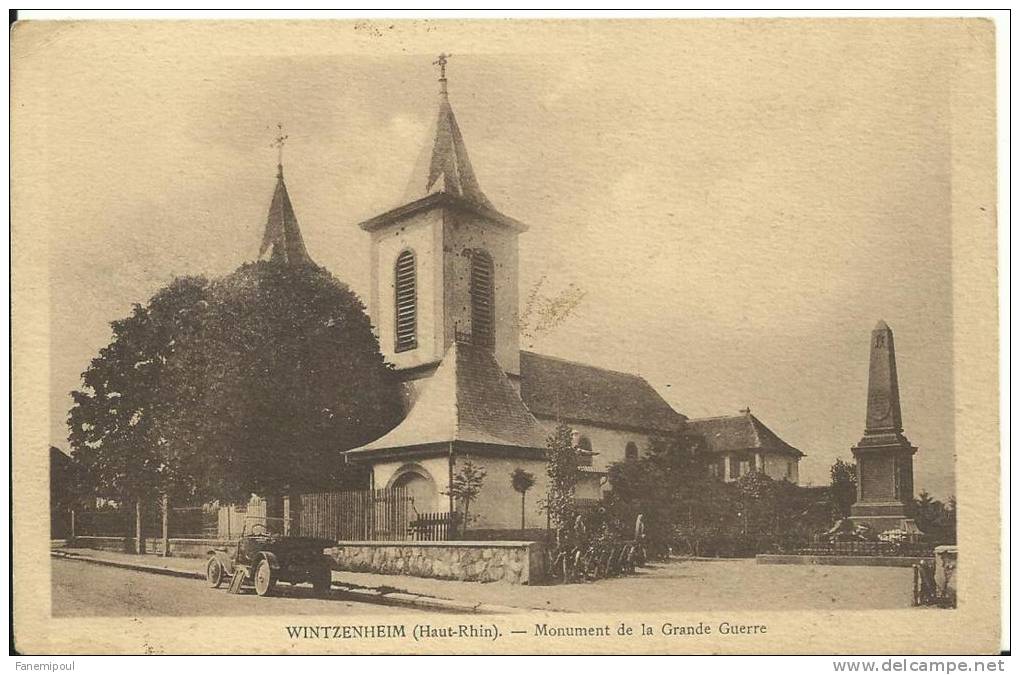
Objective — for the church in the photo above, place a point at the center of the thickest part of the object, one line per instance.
(444, 301)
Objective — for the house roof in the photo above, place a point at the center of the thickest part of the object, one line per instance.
(561, 389)
(468, 399)
(739, 432)
(282, 238)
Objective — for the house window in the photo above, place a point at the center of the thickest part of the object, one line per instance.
(789, 470)
(631, 452)
(482, 299)
(406, 283)
(744, 467)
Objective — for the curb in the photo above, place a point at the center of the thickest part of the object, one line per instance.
(138, 567)
(356, 594)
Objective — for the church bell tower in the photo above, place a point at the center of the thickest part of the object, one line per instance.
(444, 263)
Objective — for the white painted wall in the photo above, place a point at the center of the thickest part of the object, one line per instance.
(464, 232)
(421, 233)
(776, 467)
(611, 444)
(437, 468)
(498, 506)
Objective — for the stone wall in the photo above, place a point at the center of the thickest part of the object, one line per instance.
(515, 562)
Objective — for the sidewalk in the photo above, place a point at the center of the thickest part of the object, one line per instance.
(343, 585)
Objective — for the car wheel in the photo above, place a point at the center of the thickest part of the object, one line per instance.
(214, 573)
(322, 582)
(265, 580)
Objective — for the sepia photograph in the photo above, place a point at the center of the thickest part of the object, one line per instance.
(530, 336)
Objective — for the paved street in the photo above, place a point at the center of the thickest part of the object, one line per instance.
(85, 589)
(691, 585)
(81, 588)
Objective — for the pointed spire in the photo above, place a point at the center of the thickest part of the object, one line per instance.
(282, 239)
(883, 385)
(444, 165)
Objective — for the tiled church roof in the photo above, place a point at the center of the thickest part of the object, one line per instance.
(468, 399)
(739, 432)
(556, 388)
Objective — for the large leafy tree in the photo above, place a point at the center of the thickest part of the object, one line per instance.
(670, 486)
(122, 432)
(252, 383)
(294, 376)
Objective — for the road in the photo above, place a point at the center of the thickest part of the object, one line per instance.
(86, 589)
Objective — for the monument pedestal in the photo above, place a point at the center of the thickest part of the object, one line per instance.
(885, 483)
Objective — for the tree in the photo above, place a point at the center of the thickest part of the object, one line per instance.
(522, 481)
(935, 519)
(465, 487)
(757, 504)
(843, 488)
(562, 469)
(121, 426)
(670, 487)
(252, 383)
(294, 377)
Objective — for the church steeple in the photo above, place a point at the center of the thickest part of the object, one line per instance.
(444, 165)
(444, 262)
(282, 240)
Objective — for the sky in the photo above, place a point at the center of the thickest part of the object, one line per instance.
(739, 202)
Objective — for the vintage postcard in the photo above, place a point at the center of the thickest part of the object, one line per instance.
(531, 336)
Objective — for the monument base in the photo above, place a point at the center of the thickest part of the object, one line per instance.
(883, 516)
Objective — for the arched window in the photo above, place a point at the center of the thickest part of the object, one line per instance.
(482, 299)
(406, 282)
(631, 452)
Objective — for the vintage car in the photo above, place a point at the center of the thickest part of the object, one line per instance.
(266, 554)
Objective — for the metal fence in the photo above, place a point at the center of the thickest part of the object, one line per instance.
(105, 523)
(363, 515)
(183, 522)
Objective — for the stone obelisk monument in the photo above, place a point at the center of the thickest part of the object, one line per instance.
(885, 458)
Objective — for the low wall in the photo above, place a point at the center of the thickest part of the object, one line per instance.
(531, 534)
(179, 548)
(515, 562)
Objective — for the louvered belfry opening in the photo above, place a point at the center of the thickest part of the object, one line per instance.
(482, 300)
(406, 302)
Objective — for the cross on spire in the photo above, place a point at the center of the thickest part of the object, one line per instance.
(278, 143)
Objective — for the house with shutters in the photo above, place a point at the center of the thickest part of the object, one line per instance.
(444, 297)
